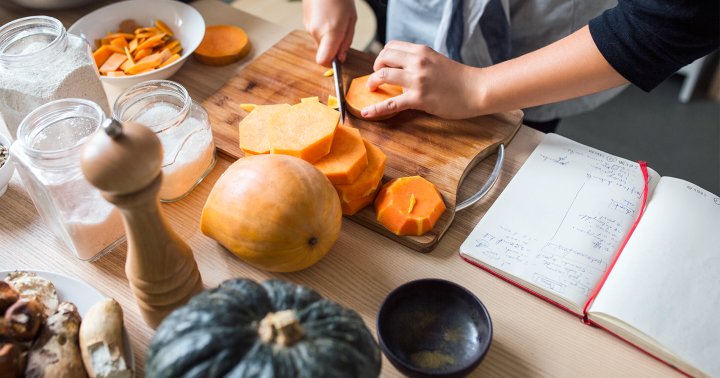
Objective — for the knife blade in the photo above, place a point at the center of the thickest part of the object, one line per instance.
(339, 89)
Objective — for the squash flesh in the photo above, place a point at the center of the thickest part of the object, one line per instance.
(409, 206)
(369, 179)
(359, 96)
(254, 129)
(347, 158)
(306, 131)
(275, 212)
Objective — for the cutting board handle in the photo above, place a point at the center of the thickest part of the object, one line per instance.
(485, 189)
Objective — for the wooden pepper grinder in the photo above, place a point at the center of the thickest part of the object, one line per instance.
(125, 163)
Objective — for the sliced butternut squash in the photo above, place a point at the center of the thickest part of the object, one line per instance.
(347, 158)
(170, 60)
(155, 40)
(163, 27)
(222, 45)
(352, 207)
(140, 54)
(409, 206)
(119, 42)
(369, 180)
(333, 102)
(254, 129)
(310, 99)
(306, 131)
(359, 96)
(113, 63)
(101, 55)
(248, 107)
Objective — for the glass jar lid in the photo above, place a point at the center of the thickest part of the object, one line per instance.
(157, 104)
(28, 41)
(59, 129)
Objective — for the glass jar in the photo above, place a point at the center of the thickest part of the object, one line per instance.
(40, 62)
(47, 157)
(182, 126)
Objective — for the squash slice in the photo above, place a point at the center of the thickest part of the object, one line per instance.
(409, 206)
(359, 96)
(347, 158)
(305, 131)
(254, 129)
(352, 207)
(222, 45)
(369, 180)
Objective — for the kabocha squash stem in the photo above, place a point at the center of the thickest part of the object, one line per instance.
(282, 328)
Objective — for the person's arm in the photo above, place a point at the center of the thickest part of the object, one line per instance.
(332, 24)
(638, 41)
(568, 68)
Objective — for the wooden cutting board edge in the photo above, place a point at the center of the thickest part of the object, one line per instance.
(428, 242)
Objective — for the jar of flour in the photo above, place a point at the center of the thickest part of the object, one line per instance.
(183, 127)
(47, 157)
(40, 62)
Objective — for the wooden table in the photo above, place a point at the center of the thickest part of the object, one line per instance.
(531, 337)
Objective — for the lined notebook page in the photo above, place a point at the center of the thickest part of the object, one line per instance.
(560, 220)
(666, 283)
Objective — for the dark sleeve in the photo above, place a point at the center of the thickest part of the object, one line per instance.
(648, 40)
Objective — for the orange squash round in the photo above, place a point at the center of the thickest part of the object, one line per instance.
(276, 212)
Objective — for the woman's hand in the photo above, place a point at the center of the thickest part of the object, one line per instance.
(431, 82)
(332, 24)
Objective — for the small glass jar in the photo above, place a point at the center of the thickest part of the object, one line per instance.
(47, 157)
(40, 62)
(182, 126)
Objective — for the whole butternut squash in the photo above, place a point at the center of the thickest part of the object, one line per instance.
(276, 212)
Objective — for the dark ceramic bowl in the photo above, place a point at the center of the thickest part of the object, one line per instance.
(434, 328)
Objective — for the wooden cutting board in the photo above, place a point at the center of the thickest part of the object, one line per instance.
(415, 143)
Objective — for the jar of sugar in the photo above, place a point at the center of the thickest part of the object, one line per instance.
(47, 157)
(182, 126)
(40, 62)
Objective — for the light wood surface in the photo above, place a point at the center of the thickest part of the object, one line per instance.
(415, 143)
(531, 337)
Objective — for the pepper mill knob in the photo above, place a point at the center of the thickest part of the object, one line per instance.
(125, 163)
(123, 159)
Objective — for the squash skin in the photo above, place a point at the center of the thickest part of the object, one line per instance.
(276, 212)
(193, 341)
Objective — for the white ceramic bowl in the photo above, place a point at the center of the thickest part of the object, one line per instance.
(187, 25)
(6, 171)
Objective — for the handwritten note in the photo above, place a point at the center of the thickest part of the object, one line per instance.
(561, 219)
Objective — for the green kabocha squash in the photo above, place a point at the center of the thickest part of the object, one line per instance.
(273, 329)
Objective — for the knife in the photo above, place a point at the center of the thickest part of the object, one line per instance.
(339, 90)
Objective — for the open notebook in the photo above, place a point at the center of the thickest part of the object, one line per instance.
(558, 231)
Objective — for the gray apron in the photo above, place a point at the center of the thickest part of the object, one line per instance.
(494, 30)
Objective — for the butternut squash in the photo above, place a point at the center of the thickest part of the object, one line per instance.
(409, 206)
(359, 96)
(369, 180)
(254, 129)
(276, 212)
(352, 207)
(113, 63)
(306, 131)
(222, 45)
(347, 158)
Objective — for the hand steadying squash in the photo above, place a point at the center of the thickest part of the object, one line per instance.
(273, 329)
